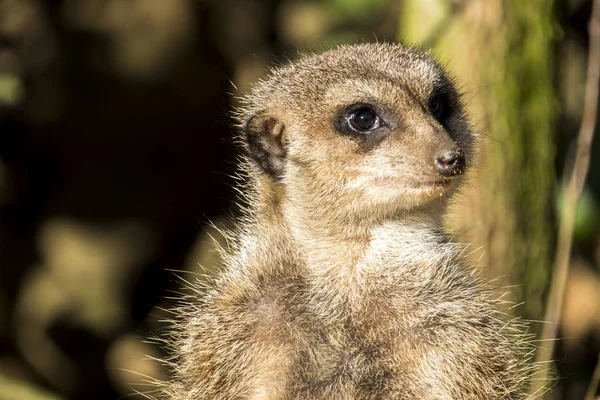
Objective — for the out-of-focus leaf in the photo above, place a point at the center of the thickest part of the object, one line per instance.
(587, 218)
(14, 390)
(11, 89)
(357, 8)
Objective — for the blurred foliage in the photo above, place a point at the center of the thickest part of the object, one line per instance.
(11, 89)
(587, 219)
(358, 8)
(115, 149)
(13, 390)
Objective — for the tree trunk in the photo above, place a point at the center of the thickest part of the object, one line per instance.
(501, 53)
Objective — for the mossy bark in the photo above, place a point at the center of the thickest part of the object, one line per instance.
(501, 52)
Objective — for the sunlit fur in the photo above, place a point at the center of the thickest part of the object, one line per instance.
(340, 283)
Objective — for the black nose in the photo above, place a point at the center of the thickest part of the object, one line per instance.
(450, 162)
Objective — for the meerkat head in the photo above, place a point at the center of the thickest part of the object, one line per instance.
(364, 130)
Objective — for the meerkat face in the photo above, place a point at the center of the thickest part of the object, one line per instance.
(367, 129)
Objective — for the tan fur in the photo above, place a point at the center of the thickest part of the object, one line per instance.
(340, 283)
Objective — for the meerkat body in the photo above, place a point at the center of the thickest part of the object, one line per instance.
(340, 283)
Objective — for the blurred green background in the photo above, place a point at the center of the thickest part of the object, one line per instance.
(116, 152)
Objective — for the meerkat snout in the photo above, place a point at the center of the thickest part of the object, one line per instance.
(450, 162)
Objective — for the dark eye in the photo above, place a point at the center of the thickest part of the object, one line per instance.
(439, 107)
(364, 120)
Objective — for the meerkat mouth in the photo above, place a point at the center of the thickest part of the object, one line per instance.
(439, 187)
(439, 184)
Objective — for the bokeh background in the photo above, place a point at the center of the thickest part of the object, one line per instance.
(116, 154)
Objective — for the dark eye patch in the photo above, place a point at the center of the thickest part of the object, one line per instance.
(443, 102)
(440, 106)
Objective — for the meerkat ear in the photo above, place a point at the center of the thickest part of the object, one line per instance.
(265, 142)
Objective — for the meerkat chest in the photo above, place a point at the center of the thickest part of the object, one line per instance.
(410, 331)
(421, 339)
(351, 361)
(413, 336)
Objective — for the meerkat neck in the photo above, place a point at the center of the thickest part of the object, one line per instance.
(335, 246)
(347, 261)
(343, 256)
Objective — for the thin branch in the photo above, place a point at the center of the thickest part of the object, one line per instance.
(593, 388)
(573, 193)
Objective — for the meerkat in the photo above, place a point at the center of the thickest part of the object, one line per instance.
(340, 283)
